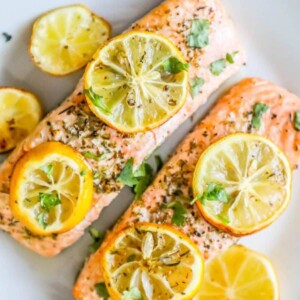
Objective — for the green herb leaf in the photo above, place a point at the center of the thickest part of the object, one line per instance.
(174, 66)
(93, 156)
(179, 212)
(214, 192)
(83, 172)
(199, 35)
(133, 294)
(297, 120)
(49, 201)
(42, 219)
(139, 179)
(230, 58)
(48, 169)
(159, 162)
(101, 290)
(196, 85)
(7, 37)
(224, 219)
(217, 67)
(131, 258)
(98, 237)
(258, 110)
(96, 99)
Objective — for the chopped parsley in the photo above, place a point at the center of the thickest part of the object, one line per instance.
(198, 37)
(297, 120)
(179, 212)
(138, 179)
(214, 192)
(224, 219)
(83, 172)
(131, 258)
(49, 201)
(96, 99)
(133, 294)
(48, 169)
(159, 162)
(93, 156)
(196, 85)
(101, 290)
(97, 236)
(174, 66)
(258, 110)
(7, 37)
(218, 66)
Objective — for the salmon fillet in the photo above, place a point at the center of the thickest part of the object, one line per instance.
(72, 123)
(233, 113)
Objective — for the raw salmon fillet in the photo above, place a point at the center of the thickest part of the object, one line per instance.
(74, 124)
(233, 113)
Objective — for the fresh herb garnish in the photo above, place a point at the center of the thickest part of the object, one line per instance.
(174, 66)
(218, 66)
(48, 169)
(96, 99)
(101, 290)
(214, 192)
(224, 219)
(179, 212)
(159, 162)
(49, 201)
(196, 85)
(93, 156)
(258, 110)
(6, 36)
(133, 294)
(83, 172)
(138, 179)
(131, 258)
(297, 120)
(98, 237)
(42, 219)
(198, 37)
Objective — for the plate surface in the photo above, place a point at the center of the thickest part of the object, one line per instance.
(269, 30)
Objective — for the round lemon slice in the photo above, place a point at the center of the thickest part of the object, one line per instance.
(136, 82)
(239, 274)
(152, 261)
(243, 183)
(51, 189)
(65, 39)
(20, 112)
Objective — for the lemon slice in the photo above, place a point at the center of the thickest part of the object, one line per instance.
(243, 183)
(155, 261)
(65, 39)
(51, 189)
(136, 82)
(239, 274)
(20, 112)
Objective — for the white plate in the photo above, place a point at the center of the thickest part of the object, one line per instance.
(269, 30)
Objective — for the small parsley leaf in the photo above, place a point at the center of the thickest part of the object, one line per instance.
(224, 219)
(214, 192)
(196, 85)
(96, 99)
(199, 35)
(133, 294)
(217, 67)
(258, 110)
(179, 212)
(98, 237)
(131, 258)
(42, 219)
(93, 156)
(48, 169)
(297, 120)
(138, 179)
(83, 172)
(230, 58)
(174, 66)
(7, 37)
(159, 162)
(101, 290)
(49, 201)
